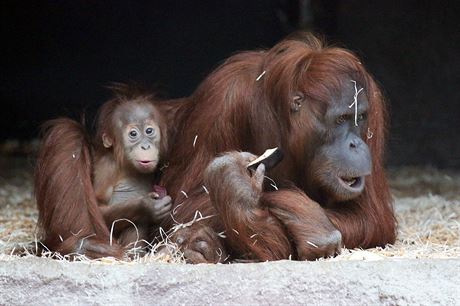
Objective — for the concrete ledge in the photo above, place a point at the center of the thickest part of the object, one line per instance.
(403, 282)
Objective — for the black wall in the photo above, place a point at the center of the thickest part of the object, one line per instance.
(57, 56)
(413, 49)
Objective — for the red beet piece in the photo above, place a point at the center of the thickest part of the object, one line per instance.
(160, 190)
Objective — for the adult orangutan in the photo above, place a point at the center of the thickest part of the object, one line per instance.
(321, 107)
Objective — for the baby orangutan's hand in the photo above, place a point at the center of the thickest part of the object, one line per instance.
(159, 208)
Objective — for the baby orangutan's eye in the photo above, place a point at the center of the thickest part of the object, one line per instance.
(133, 134)
(149, 131)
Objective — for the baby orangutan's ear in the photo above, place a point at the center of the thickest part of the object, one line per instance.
(107, 141)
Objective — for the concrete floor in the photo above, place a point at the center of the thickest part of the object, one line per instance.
(390, 282)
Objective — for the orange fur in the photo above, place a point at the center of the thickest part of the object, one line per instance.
(231, 110)
(69, 184)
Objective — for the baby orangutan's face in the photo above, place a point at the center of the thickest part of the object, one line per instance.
(140, 136)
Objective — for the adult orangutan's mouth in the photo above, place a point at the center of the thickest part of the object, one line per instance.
(353, 184)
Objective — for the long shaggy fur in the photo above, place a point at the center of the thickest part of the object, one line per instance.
(69, 217)
(232, 110)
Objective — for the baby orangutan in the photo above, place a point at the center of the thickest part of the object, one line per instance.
(130, 139)
(107, 201)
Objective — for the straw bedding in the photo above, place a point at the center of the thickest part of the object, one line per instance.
(427, 205)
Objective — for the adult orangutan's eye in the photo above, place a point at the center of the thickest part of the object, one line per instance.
(340, 120)
(362, 117)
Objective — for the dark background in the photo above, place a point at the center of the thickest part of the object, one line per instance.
(57, 56)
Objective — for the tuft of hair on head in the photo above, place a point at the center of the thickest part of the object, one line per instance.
(121, 93)
(129, 91)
